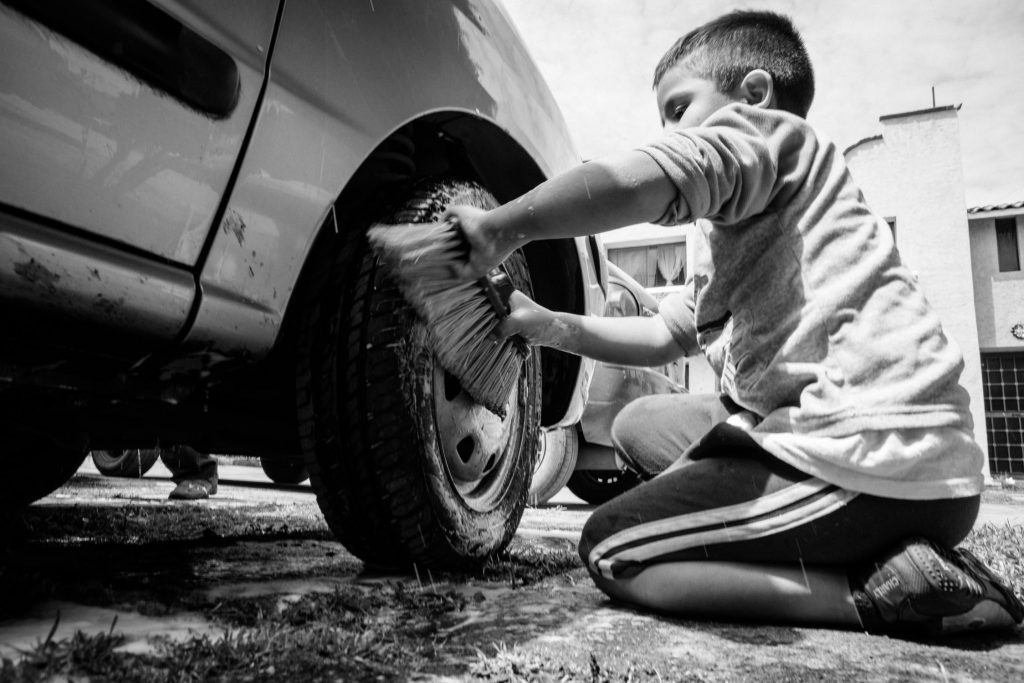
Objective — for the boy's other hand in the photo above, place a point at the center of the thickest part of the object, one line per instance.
(744, 419)
(527, 318)
(485, 250)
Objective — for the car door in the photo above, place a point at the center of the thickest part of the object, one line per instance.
(125, 119)
(121, 124)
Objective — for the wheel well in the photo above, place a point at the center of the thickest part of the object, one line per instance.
(462, 146)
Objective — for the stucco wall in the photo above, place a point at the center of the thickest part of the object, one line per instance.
(998, 297)
(913, 173)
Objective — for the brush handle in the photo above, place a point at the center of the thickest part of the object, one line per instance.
(498, 288)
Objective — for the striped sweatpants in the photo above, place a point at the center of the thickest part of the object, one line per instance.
(731, 501)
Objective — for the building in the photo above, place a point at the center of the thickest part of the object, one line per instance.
(654, 255)
(968, 261)
(997, 254)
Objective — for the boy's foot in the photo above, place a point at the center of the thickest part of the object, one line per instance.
(193, 489)
(923, 588)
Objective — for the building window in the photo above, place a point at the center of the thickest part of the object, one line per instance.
(661, 265)
(1006, 244)
(1003, 385)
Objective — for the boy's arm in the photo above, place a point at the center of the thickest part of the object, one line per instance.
(612, 192)
(728, 169)
(638, 340)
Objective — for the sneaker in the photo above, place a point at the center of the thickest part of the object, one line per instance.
(193, 489)
(920, 587)
(999, 608)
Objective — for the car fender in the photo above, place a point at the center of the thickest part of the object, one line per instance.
(339, 85)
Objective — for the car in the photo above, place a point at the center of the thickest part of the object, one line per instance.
(185, 191)
(581, 456)
(134, 463)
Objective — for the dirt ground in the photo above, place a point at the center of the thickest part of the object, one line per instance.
(106, 579)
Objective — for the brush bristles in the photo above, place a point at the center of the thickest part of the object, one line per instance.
(459, 318)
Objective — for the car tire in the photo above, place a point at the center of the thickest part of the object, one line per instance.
(407, 468)
(284, 471)
(33, 466)
(130, 462)
(559, 449)
(600, 486)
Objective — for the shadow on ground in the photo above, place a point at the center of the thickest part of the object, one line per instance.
(252, 586)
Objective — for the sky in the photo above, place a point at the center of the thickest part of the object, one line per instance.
(871, 58)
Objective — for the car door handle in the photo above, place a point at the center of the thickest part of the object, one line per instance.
(148, 43)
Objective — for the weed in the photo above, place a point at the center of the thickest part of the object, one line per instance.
(1002, 549)
(513, 665)
(524, 564)
(85, 655)
(376, 631)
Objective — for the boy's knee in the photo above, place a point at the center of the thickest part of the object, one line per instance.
(594, 531)
(628, 426)
(586, 544)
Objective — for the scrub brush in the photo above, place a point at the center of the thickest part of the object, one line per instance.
(460, 315)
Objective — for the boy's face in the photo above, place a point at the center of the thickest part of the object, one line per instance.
(685, 99)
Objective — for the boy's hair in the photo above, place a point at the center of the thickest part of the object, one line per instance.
(726, 49)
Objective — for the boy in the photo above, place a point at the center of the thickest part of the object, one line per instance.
(831, 482)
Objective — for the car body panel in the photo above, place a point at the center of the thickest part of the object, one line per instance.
(68, 277)
(133, 165)
(614, 386)
(178, 238)
(317, 125)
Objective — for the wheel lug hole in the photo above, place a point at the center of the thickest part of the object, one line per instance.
(465, 448)
(452, 386)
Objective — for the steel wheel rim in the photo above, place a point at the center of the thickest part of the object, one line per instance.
(474, 442)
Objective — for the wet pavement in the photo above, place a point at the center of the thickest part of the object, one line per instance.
(228, 569)
(257, 548)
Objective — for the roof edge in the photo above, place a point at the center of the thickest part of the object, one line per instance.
(862, 141)
(996, 210)
(945, 107)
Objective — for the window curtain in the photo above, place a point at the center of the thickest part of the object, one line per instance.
(671, 259)
(633, 261)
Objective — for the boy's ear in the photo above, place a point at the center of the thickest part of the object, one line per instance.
(758, 89)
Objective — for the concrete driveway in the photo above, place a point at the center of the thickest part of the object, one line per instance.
(102, 548)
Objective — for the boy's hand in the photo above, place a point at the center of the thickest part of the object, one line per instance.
(485, 247)
(527, 318)
(744, 419)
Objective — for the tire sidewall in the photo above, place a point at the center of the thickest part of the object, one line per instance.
(599, 486)
(36, 466)
(365, 397)
(281, 471)
(129, 463)
(556, 461)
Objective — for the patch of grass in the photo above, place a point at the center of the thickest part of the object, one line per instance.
(383, 631)
(524, 564)
(513, 665)
(138, 522)
(1002, 549)
(89, 655)
(267, 653)
(1003, 496)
